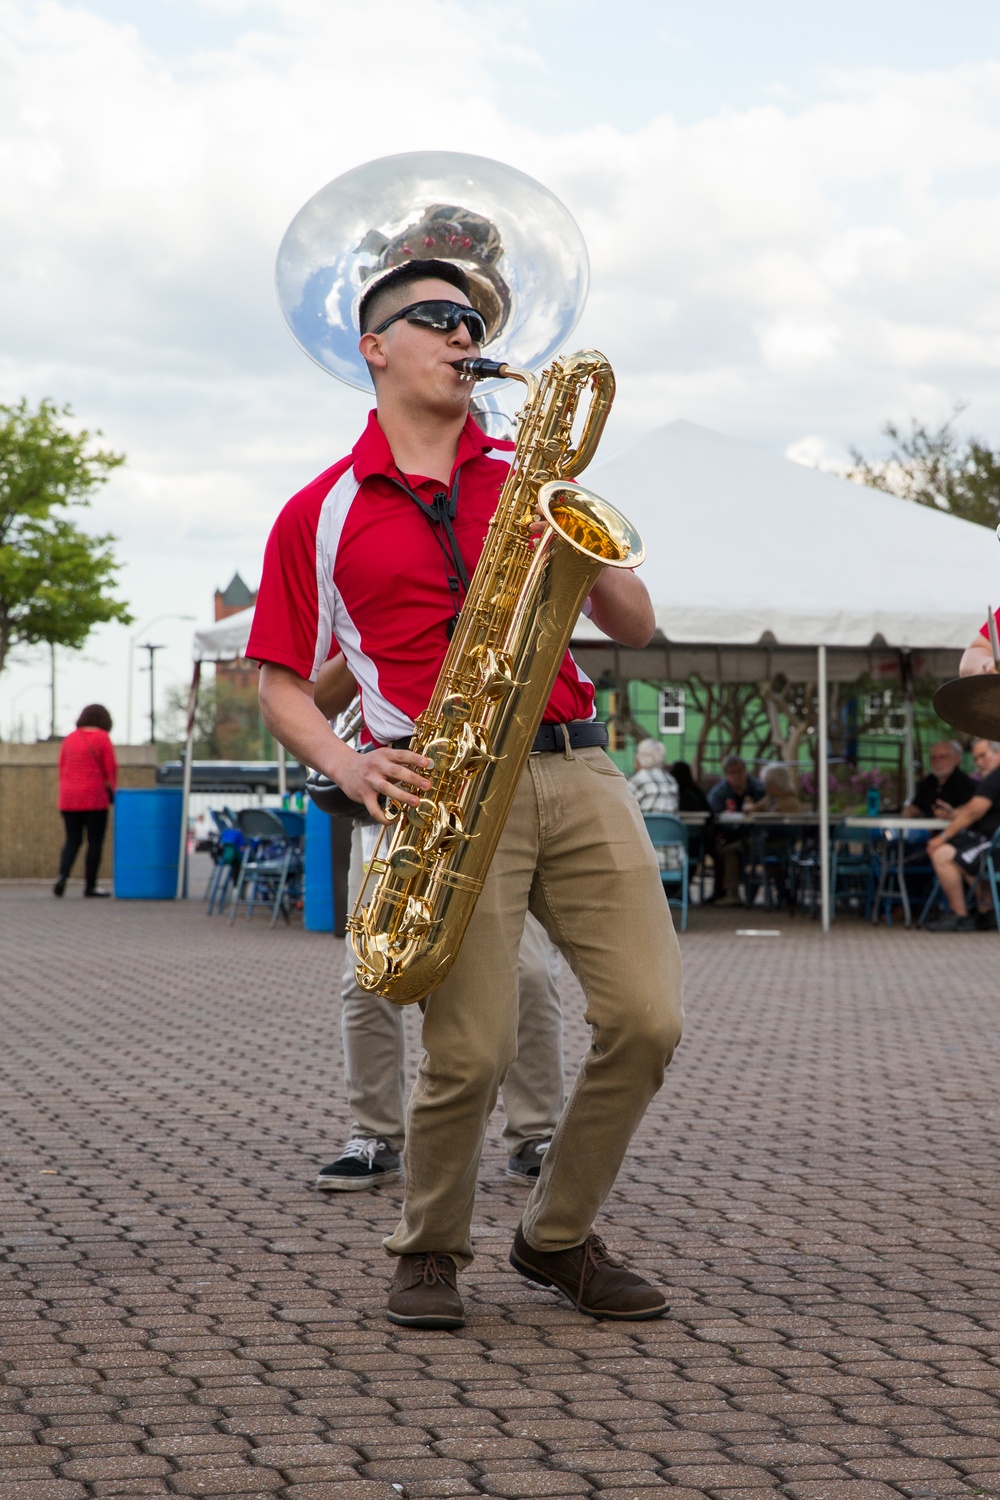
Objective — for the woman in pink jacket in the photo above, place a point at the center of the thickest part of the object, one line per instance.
(88, 772)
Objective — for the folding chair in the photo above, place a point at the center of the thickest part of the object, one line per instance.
(226, 857)
(854, 874)
(989, 872)
(803, 878)
(893, 887)
(768, 867)
(271, 861)
(669, 835)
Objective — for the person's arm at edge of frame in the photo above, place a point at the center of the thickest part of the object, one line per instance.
(977, 657)
(970, 812)
(621, 607)
(291, 715)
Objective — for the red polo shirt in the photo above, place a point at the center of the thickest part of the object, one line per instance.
(352, 557)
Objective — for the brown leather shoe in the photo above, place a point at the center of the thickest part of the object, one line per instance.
(423, 1293)
(592, 1281)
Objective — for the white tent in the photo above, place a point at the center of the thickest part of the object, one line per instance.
(757, 564)
(745, 547)
(225, 640)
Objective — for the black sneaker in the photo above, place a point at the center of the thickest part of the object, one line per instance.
(96, 892)
(526, 1165)
(59, 886)
(951, 923)
(364, 1163)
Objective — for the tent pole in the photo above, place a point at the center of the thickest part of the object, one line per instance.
(282, 773)
(906, 673)
(186, 785)
(823, 772)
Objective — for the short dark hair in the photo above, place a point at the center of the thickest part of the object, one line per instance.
(413, 270)
(95, 716)
(734, 763)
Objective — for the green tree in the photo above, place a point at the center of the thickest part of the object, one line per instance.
(937, 467)
(55, 579)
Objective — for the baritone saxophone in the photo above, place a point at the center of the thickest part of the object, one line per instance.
(422, 883)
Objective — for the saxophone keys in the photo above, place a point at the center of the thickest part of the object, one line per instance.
(456, 707)
(472, 751)
(439, 752)
(416, 919)
(405, 861)
(424, 814)
(497, 675)
(375, 967)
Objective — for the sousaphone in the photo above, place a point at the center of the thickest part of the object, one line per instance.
(520, 247)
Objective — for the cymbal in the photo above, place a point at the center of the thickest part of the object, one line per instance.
(971, 704)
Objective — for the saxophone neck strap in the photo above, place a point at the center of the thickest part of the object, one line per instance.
(441, 511)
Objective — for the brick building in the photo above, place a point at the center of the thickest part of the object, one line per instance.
(236, 714)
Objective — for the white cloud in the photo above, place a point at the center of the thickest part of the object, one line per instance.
(794, 275)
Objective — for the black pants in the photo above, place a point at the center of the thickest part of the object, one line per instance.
(95, 822)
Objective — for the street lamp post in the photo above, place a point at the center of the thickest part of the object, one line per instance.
(152, 695)
(131, 665)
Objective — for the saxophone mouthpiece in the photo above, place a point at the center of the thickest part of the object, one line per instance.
(480, 369)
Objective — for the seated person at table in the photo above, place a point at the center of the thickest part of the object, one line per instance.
(779, 794)
(978, 654)
(653, 787)
(946, 788)
(955, 853)
(736, 790)
(736, 787)
(691, 798)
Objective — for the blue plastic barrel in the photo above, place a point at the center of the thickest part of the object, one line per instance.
(147, 843)
(317, 914)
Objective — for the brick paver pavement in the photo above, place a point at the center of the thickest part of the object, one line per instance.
(183, 1314)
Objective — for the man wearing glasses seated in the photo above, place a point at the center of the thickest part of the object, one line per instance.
(946, 788)
(956, 851)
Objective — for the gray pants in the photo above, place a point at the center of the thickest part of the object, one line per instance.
(374, 1045)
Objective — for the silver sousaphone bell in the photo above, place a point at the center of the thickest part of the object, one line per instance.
(520, 247)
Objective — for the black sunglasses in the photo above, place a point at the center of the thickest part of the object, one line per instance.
(443, 317)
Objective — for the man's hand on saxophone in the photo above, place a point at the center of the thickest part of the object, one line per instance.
(291, 715)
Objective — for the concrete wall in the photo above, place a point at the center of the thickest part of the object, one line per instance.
(31, 830)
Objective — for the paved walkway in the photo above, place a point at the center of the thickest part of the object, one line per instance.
(182, 1314)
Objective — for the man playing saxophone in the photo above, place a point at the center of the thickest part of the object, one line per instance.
(378, 552)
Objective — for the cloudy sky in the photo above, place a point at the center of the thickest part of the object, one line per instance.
(792, 212)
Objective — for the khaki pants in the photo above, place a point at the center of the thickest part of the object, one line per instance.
(576, 853)
(374, 1045)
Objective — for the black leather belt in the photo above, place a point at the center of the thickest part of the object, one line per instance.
(581, 733)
